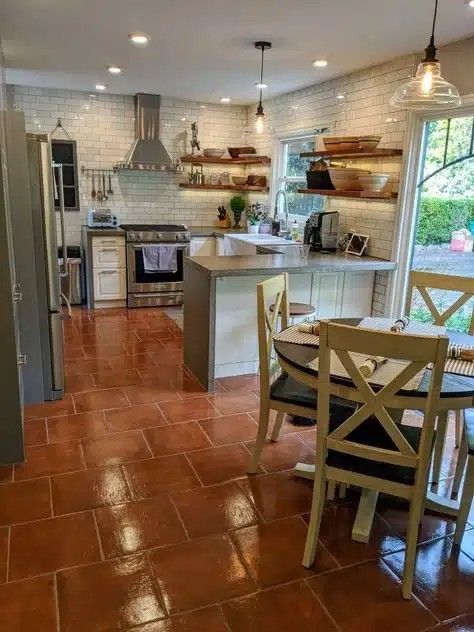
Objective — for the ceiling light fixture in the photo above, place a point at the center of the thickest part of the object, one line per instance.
(427, 90)
(260, 114)
(114, 70)
(470, 3)
(261, 86)
(340, 96)
(320, 63)
(101, 87)
(138, 38)
(225, 100)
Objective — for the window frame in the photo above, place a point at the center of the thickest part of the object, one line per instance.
(281, 151)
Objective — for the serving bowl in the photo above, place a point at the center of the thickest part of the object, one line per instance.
(369, 142)
(374, 182)
(346, 179)
(213, 152)
(341, 143)
(235, 152)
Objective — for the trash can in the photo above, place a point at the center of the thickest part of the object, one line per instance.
(71, 286)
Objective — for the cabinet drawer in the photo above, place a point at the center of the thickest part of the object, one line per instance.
(110, 284)
(112, 256)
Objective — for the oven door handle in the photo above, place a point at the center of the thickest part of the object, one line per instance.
(165, 243)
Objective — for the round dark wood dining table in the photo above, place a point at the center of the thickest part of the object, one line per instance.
(457, 393)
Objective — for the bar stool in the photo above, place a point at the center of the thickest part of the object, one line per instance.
(298, 310)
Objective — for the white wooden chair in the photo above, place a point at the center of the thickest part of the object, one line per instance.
(278, 391)
(423, 282)
(465, 463)
(370, 449)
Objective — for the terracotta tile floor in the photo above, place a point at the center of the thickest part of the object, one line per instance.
(133, 511)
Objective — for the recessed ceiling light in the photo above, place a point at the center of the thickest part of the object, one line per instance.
(225, 100)
(470, 3)
(390, 119)
(114, 70)
(203, 107)
(183, 118)
(261, 86)
(92, 96)
(101, 87)
(320, 63)
(340, 96)
(138, 38)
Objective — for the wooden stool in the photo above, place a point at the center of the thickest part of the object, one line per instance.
(298, 310)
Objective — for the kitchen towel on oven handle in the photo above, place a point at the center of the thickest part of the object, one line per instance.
(160, 258)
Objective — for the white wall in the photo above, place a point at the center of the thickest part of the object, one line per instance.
(104, 129)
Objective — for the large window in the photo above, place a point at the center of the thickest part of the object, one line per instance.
(292, 176)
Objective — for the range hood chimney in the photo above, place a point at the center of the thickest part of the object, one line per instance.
(147, 152)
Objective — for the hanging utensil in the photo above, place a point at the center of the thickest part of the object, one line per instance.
(104, 195)
(100, 195)
(110, 191)
(94, 192)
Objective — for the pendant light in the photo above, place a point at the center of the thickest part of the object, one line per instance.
(260, 114)
(428, 90)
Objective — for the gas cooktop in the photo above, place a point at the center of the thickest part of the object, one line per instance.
(156, 233)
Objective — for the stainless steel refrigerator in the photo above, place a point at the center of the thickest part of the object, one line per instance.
(43, 191)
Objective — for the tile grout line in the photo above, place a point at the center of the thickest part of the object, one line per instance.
(185, 454)
(56, 601)
(97, 531)
(324, 608)
(180, 518)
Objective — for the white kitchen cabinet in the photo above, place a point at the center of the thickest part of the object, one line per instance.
(356, 295)
(110, 284)
(202, 247)
(109, 274)
(111, 256)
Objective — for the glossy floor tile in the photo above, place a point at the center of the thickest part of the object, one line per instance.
(133, 510)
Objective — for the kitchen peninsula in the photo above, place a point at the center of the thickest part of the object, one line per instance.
(220, 316)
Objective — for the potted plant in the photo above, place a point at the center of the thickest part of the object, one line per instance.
(254, 217)
(237, 204)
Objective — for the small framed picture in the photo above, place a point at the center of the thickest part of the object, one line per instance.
(357, 244)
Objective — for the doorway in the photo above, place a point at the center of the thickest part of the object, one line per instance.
(439, 210)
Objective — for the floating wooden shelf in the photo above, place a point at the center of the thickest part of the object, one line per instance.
(365, 195)
(353, 155)
(224, 187)
(204, 160)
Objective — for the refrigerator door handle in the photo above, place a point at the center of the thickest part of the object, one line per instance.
(60, 187)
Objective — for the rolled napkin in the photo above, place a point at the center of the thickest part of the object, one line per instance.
(400, 324)
(309, 328)
(370, 365)
(458, 352)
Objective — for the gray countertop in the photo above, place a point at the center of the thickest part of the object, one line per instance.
(107, 232)
(248, 265)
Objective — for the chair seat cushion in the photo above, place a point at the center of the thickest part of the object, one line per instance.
(469, 424)
(371, 433)
(290, 391)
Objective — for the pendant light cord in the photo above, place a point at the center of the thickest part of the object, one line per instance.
(261, 72)
(434, 20)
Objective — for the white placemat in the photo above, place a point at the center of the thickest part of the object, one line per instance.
(383, 375)
(297, 337)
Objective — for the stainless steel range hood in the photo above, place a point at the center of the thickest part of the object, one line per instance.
(147, 152)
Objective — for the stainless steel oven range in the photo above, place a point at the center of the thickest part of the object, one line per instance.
(144, 288)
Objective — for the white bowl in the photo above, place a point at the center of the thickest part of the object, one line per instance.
(213, 152)
(374, 182)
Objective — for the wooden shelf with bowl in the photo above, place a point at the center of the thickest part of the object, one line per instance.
(224, 187)
(204, 160)
(363, 195)
(354, 155)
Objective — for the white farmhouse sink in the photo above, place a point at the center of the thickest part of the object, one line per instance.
(252, 238)
(246, 243)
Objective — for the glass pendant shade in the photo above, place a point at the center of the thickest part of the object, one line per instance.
(427, 90)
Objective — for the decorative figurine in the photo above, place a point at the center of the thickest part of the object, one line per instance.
(195, 144)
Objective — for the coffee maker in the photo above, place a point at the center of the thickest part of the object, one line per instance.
(321, 231)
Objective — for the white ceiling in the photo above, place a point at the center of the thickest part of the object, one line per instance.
(203, 49)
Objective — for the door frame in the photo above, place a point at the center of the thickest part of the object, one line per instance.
(405, 230)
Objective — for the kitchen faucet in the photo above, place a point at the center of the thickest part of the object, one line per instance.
(286, 230)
